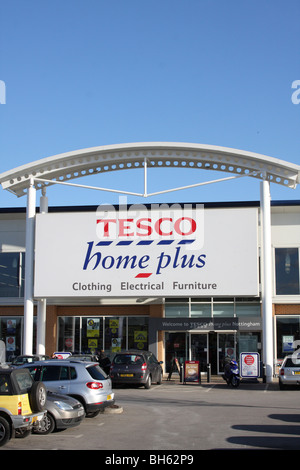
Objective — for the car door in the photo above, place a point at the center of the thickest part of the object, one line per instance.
(56, 378)
(154, 367)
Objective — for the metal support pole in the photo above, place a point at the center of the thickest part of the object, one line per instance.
(28, 292)
(42, 303)
(265, 203)
(41, 327)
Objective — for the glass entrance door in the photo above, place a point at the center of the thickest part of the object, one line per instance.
(226, 348)
(207, 348)
(199, 349)
(176, 347)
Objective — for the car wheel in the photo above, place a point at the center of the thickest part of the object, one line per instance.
(281, 386)
(148, 383)
(4, 431)
(159, 380)
(92, 414)
(38, 396)
(45, 426)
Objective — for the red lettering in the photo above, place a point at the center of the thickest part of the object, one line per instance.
(192, 226)
(144, 227)
(158, 226)
(147, 228)
(123, 227)
(106, 225)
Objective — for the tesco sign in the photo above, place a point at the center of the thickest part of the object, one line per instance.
(144, 227)
(147, 252)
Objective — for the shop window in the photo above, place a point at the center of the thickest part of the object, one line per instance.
(115, 334)
(223, 310)
(201, 309)
(248, 309)
(177, 310)
(11, 332)
(138, 333)
(287, 271)
(249, 342)
(288, 334)
(92, 335)
(69, 338)
(12, 266)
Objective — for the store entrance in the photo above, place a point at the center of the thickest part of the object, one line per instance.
(207, 348)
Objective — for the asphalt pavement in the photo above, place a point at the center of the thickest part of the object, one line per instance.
(182, 420)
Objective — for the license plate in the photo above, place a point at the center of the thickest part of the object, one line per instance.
(126, 375)
(109, 397)
(34, 419)
(297, 372)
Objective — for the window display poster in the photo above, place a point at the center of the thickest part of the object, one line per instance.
(140, 339)
(10, 343)
(287, 343)
(93, 327)
(116, 344)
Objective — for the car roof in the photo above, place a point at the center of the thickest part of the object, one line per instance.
(59, 362)
(133, 351)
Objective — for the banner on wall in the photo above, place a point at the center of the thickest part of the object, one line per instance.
(175, 251)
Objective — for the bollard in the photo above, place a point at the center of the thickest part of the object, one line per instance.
(264, 373)
(208, 372)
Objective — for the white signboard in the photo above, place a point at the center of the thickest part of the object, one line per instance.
(249, 364)
(165, 251)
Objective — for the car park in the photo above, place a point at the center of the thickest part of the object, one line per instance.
(62, 412)
(136, 367)
(22, 403)
(289, 372)
(84, 381)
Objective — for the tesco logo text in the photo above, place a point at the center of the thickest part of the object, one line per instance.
(145, 227)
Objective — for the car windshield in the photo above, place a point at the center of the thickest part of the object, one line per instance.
(129, 359)
(292, 362)
(24, 360)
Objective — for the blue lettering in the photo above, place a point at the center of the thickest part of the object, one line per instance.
(89, 257)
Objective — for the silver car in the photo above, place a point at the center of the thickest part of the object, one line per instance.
(84, 381)
(62, 412)
(289, 372)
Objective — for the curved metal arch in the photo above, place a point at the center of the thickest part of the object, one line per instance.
(99, 160)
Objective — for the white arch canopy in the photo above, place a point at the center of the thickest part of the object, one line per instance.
(65, 167)
(69, 166)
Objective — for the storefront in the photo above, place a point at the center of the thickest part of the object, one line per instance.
(209, 339)
(187, 281)
(203, 328)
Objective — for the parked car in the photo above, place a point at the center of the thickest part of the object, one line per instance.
(62, 412)
(135, 367)
(102, 359)
(22, 403)
(289, 372)
(19, 360)
(84, 381)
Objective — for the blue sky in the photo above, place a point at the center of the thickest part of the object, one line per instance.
(85, 73)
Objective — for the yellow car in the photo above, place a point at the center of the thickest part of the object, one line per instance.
(22, 403)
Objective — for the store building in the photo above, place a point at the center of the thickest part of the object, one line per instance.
(191, 281)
